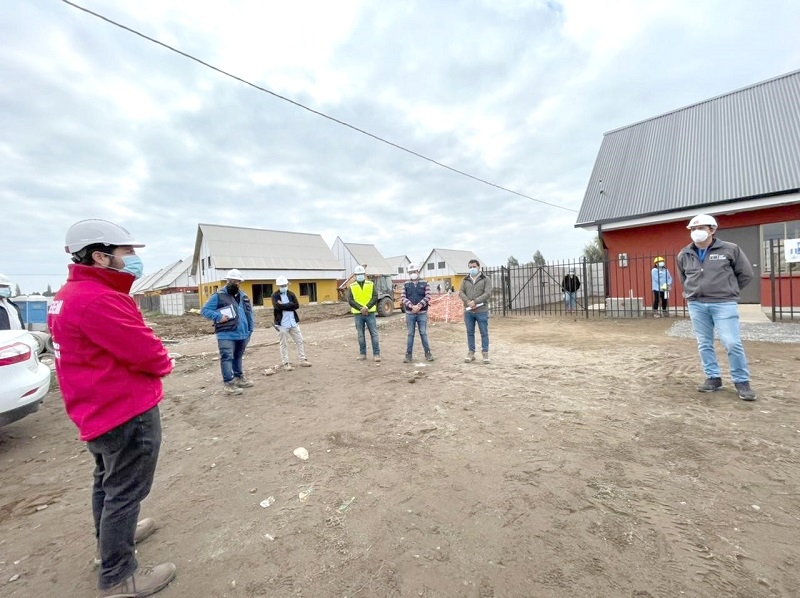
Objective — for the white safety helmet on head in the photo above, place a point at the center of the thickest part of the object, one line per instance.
(702, 220)
(359, 270)
(234, 275)
(91, 232)
(281, 281)
(413, 268)
(5, 281)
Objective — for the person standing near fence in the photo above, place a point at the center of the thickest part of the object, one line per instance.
(476, 289)
(712, 273)
(661, 282)
(570, 286)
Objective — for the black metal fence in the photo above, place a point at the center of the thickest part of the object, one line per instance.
(620, 288)
(628, 287)
(784, 276)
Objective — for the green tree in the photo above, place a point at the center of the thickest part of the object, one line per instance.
(49, 292)
(538, 259)
(17, 291)
(512, 261)
(593, 251)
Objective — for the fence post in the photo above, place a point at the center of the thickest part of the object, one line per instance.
(772, 276)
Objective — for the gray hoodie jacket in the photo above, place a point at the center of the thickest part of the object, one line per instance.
(719, 277)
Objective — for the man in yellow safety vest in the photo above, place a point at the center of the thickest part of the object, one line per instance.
(363, 299)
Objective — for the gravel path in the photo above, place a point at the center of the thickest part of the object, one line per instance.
(768, 332)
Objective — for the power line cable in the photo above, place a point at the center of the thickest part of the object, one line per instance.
(304, 107)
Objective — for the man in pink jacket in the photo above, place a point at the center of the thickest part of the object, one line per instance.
(109, 366)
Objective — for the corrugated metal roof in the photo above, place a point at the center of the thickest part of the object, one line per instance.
(261, 249)
(369, 255)
(457, 259)
(740, 145)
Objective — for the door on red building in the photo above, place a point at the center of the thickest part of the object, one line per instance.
(746, 237)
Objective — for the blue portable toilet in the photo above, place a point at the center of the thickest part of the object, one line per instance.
(34, 311)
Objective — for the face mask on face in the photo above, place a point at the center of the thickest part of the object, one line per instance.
(661, 264)
(473, 271)
(414, 276)
(359, 277)
(283, 289)
(133, 265)
(699, 236)
(5, 292)
(232, 287)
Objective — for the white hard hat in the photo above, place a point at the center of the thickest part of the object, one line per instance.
(89, 232)
(413, 268)
(5, 281)
(359, 270)
(281, 281)
(702, 220)
(234, 275)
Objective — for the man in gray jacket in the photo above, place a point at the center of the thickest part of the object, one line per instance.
(475, 292)
(712, 273)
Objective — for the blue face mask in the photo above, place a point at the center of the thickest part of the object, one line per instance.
(5, 292)
(283, 289)
(360, 277)
(133, 265)
(473, 271)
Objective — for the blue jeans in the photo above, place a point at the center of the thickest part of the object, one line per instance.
(412, 321)
(230, 357)
(125, 461)
(369, 322)
(482, 318)
(725, 318)
(570, 299)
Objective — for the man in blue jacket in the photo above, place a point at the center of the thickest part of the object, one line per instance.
(232, 313)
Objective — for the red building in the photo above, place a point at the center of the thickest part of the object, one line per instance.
(736, 157)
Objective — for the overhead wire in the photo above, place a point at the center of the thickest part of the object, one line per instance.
(304, 107)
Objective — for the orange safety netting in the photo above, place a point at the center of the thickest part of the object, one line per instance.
(446, 308)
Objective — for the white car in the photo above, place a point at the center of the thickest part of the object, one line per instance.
(24, 380)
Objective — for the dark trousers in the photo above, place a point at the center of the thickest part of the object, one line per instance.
(658, 297)
(125, 461)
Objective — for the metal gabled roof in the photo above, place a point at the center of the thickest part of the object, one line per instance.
(261, 249)
(741, 145)
(457, 259)
(369, 254)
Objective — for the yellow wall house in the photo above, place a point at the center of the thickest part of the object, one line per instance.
(447, 267)
(263, 255)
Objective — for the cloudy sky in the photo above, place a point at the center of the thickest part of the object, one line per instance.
(96, 122)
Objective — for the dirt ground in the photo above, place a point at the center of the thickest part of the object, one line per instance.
(581, 462)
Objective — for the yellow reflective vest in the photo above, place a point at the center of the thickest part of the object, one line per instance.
(362, 295)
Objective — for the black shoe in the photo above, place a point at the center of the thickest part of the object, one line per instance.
(710, 385)
(429, 356)
(744, 391)
(408, 358)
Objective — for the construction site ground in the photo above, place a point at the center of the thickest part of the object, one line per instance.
(580, 462)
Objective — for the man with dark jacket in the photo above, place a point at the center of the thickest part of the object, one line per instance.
(712, 273)
(415, 299)
(476, 289)
(10, 314)
(109, 366)
(232, 313)
(287, 323)
(570, 286)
